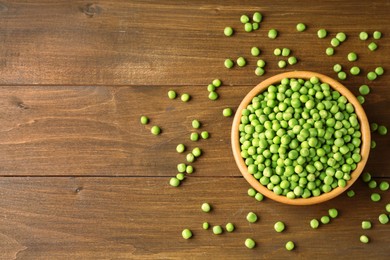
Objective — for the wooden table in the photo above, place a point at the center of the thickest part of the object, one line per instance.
(82, 178)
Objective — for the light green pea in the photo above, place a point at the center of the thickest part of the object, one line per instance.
(384, 186)
(382, 130)
(272, 34)
(185, 97)
(255, 51)
(217, 230)
(241, 61)
(206, 207)
(155, 130)
(250, 243)
(195, 124)
(205, 225)
(371, 75)
(144, 120)
(372, 46)
(375, 197)
(194, 136)
(301, 27)
(290, 245)
(341, 36)
(172, 94)
(333, 213)
(260, 63)
(227, 112)
(282, 64)
(180, 148)
(259, 71)
(355, 70)
(205, 135)
(377, 35)
(379, 71)
(364, 239)
(213, 95)
(363, 36)
(228, 31)
(174, 182)
(251, 217)
(329, 51)
(186, 233)
(257, 17)
(279, 226)
(352, 56)
(292, 60)
(228, 63)
(244, 19)
(314, 223)
(364, 90)
(322, 33)
(366, 225)
(230, 227)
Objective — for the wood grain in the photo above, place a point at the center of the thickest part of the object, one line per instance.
(170, 43)
(115, 218)
(95, 131)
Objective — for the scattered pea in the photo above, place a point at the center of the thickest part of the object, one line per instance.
(333, 213)
(372, 184)
(337, 68)
(371, 75)
(174, 182)
(255, 51)
(355, 70)
(194, 137)
(230, 227)
(186, 233)
(372, 46)
(205, 135)
(227, 112)
(286, 52)
(325, 219)
(290, 245)
(185, 97)
(217, 230)
(241, 61)
(366, 225)
(384, 186)
(189, 169)
(352, 56)
(197, 152)
(373, 144)
(341, 36)
(250, 243)
(228, 31)
(181, 167)
(361, 99)
(364, 239)
(206, 207)
(259, 71)
(172, 94)
(301, 27)
(190, 158)
(213, 95)
(342, 75)
(282, 64)
(260, 63)
(379, 71)
(180, 176)
(314, 223)
(180, 148)
(210, 88)
(382, 130)
(259, 196)
(272, 34)
(383, 218)
(322, 33)
(363, 36)
(205, 225)
(329, 51)
(334, 42)
(248, 27)
(195, 124)
(277, 52)
(217, 83)
(377, 35)
(155, 130)
(292, 60)
(244, 19)
(251, 217)
(388, 207)
(279, 226)
(366, 176)
(255, 26)
(144, 120)
(374, 127)
(364, 90)
(228, 63)
(351, 193)
(375, 197)
(257, 17)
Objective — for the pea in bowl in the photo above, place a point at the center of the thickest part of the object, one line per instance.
(300, 138)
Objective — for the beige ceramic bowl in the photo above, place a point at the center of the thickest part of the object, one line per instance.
(364, 128)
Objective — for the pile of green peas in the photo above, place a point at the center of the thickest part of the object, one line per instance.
(300, 138)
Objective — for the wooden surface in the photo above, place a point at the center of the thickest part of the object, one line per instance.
(81, 178)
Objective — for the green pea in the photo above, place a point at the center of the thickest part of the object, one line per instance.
(335, 42)
(257, 17)
(217, 230)
(384, 186)
(314, 223)
(251, 192)
(190, 158)
(155, 130)
(260, 63)
(373, 144)
(388, 207)
(341, 36)
(186, 233)
(181, 167)
(174, 182)
(366, 225)
(248, 27)
(279, 226)
(383, 218)
(241, 61)
(329, 51)
(230, 227)
(197, 152)
(352, 56)
(228, 63)
(205, 225)
(213, 95)
(372, 46)
(189, 169)
(325, 219)
(272, 34)
(337, 68)
(217, 83)
(371, 75)
(377, 35)
(372, 184)
(144, 120)
(277, 52)
(244, 19)
(194, 136)
(259, 196)
(282, 64)
(301, 27)
(180, 176)
(286, 52)
(180, 148)
(322, 33)
(364, 90)
(363, 36)
(251, 217)
(361, 99)
(211, 88)
(292, 60)
(172, 94)
(290, 245)
(195, 124)
(342, 75)
(364, 239)
(333, 213)
(205, 135)
(259, 71)
(228, 31)
(255, 51)
(185, 97)
(206, 207)
(382, 130)
(250, 243)
(366, 177)
(375, 197)
(379, 71)
(355, 70)
(227, 112)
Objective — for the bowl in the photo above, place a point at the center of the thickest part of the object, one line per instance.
(364, 128)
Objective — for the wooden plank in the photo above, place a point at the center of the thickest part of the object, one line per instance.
(95, 131)
(169, 43)
(89, 218)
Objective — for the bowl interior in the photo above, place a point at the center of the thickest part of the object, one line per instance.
(364, 128)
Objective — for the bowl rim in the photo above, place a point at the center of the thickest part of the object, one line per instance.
(364, 128)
